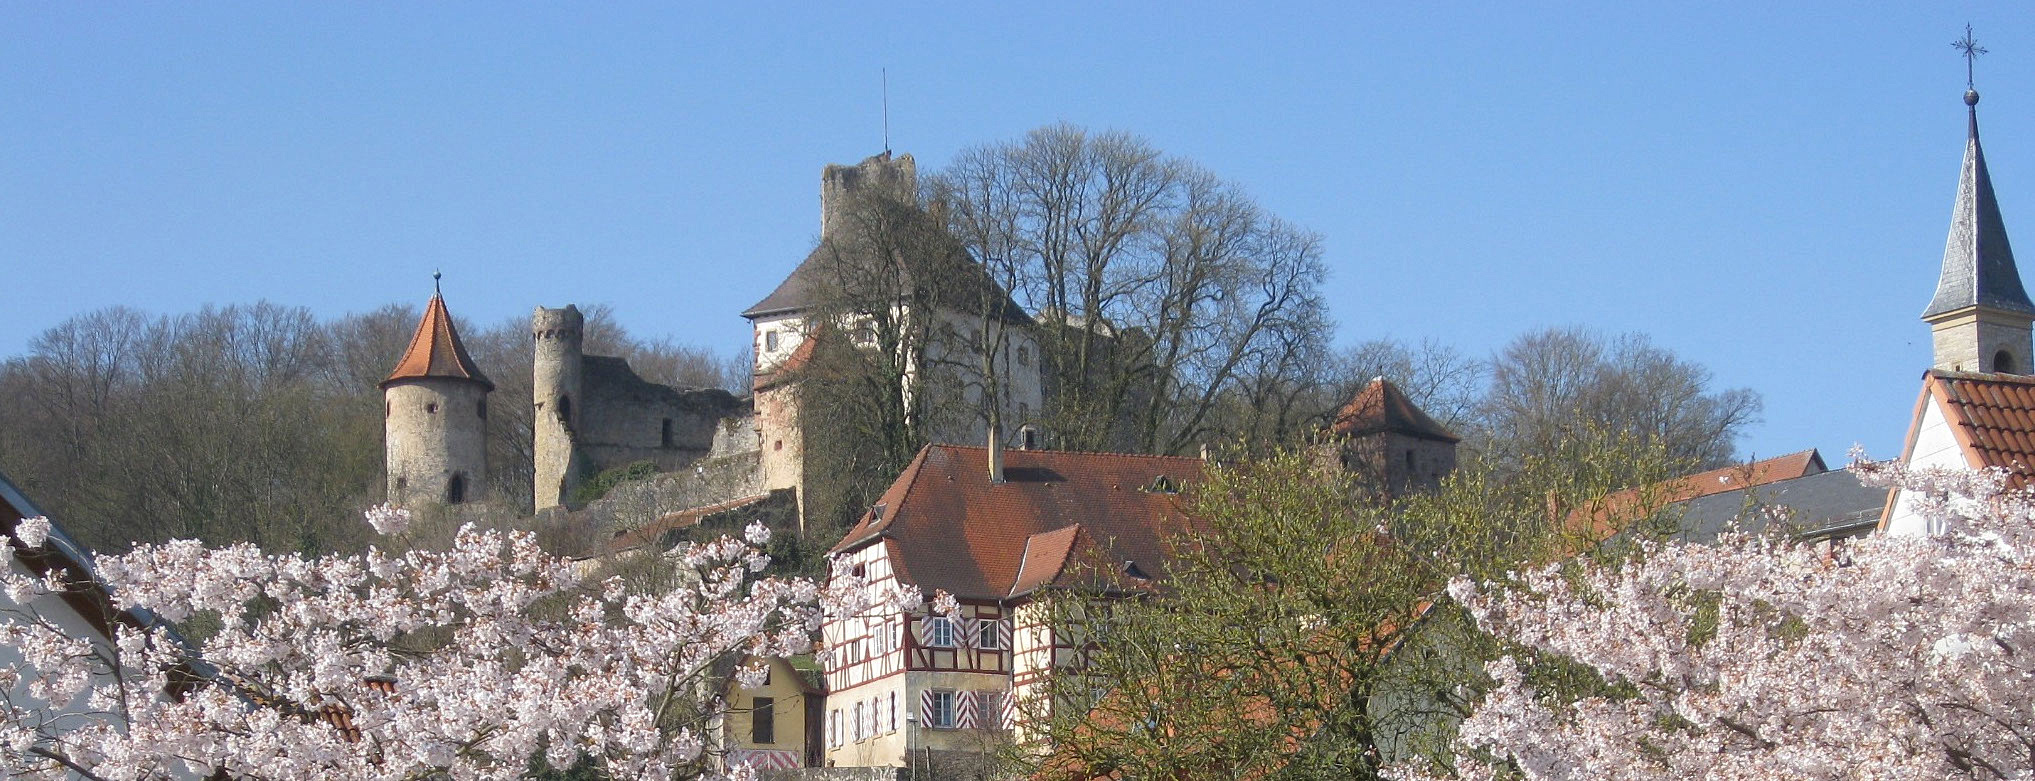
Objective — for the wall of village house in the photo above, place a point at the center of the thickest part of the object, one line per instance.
(879, 665)
(1935, 446)
(787, 717)
(66, 619)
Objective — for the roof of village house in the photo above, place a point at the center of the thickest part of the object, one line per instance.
(1381, 406)
(1832, 503)
(1992, 416)
(1978, 263)
(435, 351)
(1609, 515)
(946, 526)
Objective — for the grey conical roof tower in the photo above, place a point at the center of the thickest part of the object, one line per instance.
(1980, 314)
(1978, 263)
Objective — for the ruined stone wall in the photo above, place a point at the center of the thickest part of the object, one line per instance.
(626, 418)
(436, 430)
(706, 481)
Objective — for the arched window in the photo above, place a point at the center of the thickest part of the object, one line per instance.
(455, 489)
(667, 432)
(1409, 459)
(565, 408)
(431, 407)
(2003, 362)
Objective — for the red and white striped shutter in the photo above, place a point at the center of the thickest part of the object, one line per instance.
(1009, 716)
(1003, 634)
(926, 708)
(964, 710)
(966, 630)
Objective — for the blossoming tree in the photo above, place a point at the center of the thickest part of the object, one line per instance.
(1895, 657)
(482, 661)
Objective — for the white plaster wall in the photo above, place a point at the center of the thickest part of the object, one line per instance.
(1935, 446)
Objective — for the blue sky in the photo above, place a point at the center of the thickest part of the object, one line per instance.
(1764, 189)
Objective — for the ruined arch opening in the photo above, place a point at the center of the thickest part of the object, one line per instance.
(2003, 362)
(455, 489)
(565, 408)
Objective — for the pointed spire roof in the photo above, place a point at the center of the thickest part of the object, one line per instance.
(435, 351)
(1381, 406)
(1978, 264)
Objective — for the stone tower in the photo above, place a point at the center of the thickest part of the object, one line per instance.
(1979, 319)
(555, 390)
(1387, 441)
(435, 417)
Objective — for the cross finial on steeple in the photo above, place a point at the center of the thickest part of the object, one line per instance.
(1969, 46)
(435, 289)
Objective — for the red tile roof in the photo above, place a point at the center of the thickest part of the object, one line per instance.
(1992, 416)
(1381, 406)
(948, 527)
(435, 351)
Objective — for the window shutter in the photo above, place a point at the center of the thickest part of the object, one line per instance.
(1003, 633)
(1009, 716)
(964, 710)
(926, 709)
(966, 630)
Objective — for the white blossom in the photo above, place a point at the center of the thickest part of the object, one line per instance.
(1887, 657)
(463, 663)
(32, 532)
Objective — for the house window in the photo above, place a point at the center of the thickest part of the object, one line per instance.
(763, 721)
(455, 489)
(991, 714)
(893, 712)
(858, 722)
(770, 341)
(1024, 355)
(940, 710)
(834, 727)
(991, 638)
(940, 633)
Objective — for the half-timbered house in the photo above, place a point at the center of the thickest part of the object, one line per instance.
(994, 528)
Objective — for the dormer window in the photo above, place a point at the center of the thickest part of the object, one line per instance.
(1163, 484)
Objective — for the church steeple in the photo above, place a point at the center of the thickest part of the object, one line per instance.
(1980, 315)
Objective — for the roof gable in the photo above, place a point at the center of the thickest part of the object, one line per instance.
(1992, 417)
(1382, 407)
(948, 527)
(436, 352)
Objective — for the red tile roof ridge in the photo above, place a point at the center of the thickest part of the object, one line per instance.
(1051, 451)
(1948, 374)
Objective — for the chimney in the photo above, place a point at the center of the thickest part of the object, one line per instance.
(1205, 451)
(995, 455)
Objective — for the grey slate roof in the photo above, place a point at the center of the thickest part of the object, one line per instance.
(800, 290)
(1824, 504)
(1978, 264)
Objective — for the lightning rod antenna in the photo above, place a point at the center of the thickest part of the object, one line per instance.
(886, 110)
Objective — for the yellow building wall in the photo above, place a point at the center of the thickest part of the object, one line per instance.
(788, 706)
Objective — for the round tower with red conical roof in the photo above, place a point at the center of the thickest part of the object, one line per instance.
(435, 417)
